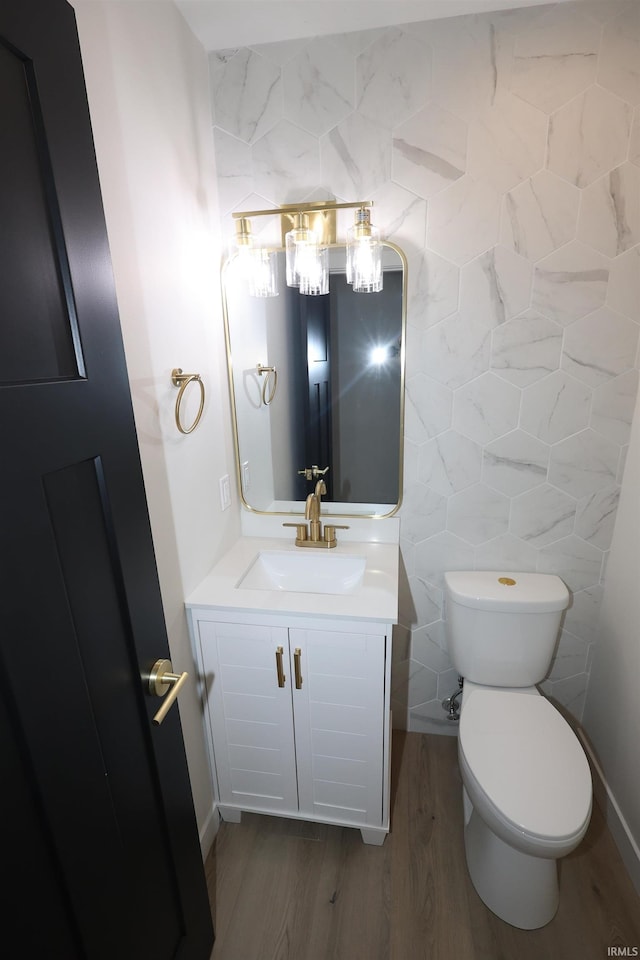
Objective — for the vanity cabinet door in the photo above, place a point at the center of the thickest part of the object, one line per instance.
(250, 714)
(338, 708)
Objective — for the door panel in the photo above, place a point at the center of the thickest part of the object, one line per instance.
(43, 347)
(250, 715)
(102, 838)
(339, 724)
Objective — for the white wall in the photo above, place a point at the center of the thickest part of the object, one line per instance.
(612, 711)
(147, 81)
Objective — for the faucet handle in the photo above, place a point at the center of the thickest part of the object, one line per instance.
(301, 530)
(330, 533)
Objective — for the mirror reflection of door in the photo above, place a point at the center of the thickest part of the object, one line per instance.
(310, 326)
(347, 389)
(367, 390)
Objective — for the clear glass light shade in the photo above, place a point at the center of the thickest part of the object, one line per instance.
(364, 255)
(303, 256)
(314, 279)
(263, 273)
(257, 266)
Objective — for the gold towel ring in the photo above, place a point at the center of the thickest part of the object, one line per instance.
(269, 372)
(182, 380)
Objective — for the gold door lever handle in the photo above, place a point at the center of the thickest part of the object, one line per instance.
(161, 679)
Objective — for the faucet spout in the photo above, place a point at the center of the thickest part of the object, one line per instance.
(312, 508)
(313, 504)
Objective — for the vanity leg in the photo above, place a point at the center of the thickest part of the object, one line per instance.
(373, 835)
(230, 814)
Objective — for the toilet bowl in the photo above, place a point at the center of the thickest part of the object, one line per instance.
(527, 799)
(527, 790)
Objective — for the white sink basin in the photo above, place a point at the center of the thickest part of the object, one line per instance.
(307, 571)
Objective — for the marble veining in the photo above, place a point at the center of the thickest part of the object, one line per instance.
(583, 464)
(526, 348)
(579, 561)
(543, 515)
(610, 213)
(247, 95)
(613, 406)
(496, 285)
(540, 215)
(418, 157)
(556, 407)
(357, 156)
(515, 463)
(449, 463)
(596, 516)
(556, 58)
(589, 136)
(570, 283)
(600, 346)
(314, 97)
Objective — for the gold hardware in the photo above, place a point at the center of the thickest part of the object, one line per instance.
(313, 534)
(270, 372)
(329, 539)
(161, 679)
(182, 380)
(507, 581)
(279, 668)
(297, 656)
(301, 531)
(243, 232)
(321, 213)
(312, 473)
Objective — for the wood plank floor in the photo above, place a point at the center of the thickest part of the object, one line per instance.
(291, 890)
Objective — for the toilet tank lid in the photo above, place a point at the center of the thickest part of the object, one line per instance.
(500, 590)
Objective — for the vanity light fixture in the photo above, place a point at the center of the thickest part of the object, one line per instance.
(364, 254)
(259, 265)
(308, 230)
(306, 267)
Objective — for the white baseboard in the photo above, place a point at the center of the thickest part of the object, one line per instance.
(620, 831)
(209, 830)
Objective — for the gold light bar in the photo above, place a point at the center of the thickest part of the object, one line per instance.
(322, 216)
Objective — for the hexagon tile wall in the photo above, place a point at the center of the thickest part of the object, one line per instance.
(502, 152)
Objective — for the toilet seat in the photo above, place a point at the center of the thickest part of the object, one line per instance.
(528, 763)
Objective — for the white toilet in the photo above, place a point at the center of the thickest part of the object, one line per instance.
(526, 781)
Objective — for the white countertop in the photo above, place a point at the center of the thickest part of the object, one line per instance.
(375, 599)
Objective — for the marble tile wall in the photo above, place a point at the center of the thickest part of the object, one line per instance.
(502, 152)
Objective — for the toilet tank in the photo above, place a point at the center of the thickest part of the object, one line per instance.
(502, 628)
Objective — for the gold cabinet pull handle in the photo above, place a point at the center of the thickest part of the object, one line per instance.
(279, 667)
(161, 679)
(297, 659)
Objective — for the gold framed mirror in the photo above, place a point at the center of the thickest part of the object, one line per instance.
(317, 389)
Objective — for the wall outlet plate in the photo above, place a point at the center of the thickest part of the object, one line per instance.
(225, 492)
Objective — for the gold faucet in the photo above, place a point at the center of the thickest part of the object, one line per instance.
(312, 511)
(313, 534)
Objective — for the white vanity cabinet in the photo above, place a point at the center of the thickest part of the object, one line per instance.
(298, 715)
